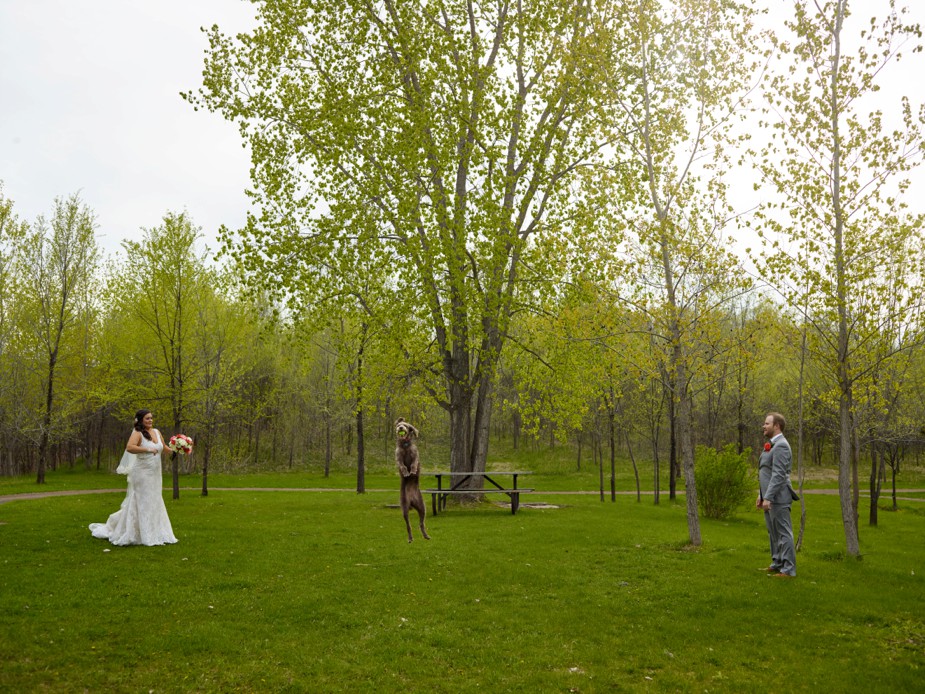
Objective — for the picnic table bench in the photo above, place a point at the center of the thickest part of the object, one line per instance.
(458, 479)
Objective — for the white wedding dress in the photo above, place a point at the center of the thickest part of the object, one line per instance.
(142, 519)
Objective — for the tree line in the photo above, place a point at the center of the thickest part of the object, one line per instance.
(497, 211)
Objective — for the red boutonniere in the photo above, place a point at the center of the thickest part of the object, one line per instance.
(767, 446)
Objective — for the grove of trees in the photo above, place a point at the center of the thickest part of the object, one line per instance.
(510, 221)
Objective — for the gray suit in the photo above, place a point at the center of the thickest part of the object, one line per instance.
(774, 479)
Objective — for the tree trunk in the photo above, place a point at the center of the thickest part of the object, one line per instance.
(741, 425)
(629, 450)
(295, 434)
(580, 437)
(99, 439)
(845, 401)
(273, 445)
(257, 430)
(686, 441)
(175, 467)
(656, 482)
(844, 477)
(361, 453)
(800, 417)
(672, 449)
(893, 476)
(613, 449)
(601, 472)
(206, 458)
(515, 430)
(875, 474)
(327, 445)
(177, 429)
(361, 441)
(456, 370)
(482, 425)
(46, 418)
(175, 475)
(684, 423)
(459, 445)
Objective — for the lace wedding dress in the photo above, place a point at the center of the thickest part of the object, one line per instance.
(142, 519)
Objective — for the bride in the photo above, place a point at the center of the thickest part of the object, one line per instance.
(142, 518)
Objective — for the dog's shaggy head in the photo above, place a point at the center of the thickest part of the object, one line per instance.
(405, 432)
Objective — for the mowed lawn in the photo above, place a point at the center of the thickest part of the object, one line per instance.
(320, 592)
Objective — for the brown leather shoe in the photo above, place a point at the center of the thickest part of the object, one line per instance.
(769, 570)
(779, 575)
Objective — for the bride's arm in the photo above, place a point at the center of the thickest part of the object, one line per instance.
(134, 444)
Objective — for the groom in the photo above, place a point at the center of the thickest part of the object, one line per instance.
(775, 496)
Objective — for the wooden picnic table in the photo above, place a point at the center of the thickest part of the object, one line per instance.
(458, 479)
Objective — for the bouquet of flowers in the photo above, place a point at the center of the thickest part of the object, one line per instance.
(181, 443)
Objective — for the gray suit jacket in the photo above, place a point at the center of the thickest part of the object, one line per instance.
(774, 474)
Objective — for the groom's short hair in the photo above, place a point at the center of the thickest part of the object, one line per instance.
(778, 419)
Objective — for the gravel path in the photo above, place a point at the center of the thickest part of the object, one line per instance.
(76, 492)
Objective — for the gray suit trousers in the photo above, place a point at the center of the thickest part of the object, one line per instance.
(780, 532)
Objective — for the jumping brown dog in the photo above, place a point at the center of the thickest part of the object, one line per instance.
(409, 467)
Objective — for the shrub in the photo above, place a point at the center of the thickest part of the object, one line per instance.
(724, 480)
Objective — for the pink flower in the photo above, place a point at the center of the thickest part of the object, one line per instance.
(181, 444)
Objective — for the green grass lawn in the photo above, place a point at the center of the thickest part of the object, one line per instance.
(320, 592)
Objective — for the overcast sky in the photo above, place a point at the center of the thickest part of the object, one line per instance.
(89, 103)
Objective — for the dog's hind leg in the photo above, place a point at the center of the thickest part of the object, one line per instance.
(404, 502)
(421, 508)
(408, 525)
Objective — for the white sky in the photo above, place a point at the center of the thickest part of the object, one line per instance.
(89, 103)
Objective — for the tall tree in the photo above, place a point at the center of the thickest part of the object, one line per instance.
(839, 218)
(155, 298)
(447, 138)
(12, 232)
(223, 335)
(678, 75)
(59, 259)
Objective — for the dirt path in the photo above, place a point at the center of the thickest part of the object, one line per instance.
(76, 492)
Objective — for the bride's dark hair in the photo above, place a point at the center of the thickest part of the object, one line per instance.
(139, 424)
